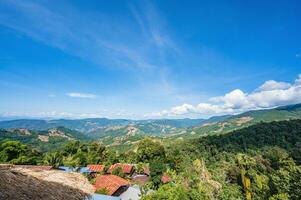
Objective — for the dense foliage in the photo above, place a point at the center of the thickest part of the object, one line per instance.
(258, 162)
(17, 153)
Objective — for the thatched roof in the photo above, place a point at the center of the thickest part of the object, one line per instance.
(25, 184)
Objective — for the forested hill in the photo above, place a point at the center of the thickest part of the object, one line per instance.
(261, 161)
(236, 122)
(284, 134)
(44, 140)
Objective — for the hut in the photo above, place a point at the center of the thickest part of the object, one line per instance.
(96, 168)
(22, 183)
(113, 185)
(127, 169)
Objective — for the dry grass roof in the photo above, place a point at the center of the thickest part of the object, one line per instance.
(27, 184)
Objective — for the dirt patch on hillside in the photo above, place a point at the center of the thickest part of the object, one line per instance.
(243, 120)
(43, 138)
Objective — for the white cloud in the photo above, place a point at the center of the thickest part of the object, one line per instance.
(233, 99)
(298, 80)
(273, 85)
(113, 114)
(49, 114)
(81, 95)
(270, 94)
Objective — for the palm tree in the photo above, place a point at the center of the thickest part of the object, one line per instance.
(54, 159)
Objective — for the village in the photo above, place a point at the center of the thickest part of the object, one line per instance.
(119, 181)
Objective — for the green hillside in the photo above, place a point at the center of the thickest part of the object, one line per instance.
(127, 132)
(43, 140)
(235, 122)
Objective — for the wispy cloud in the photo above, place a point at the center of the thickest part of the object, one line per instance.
(69, 115)
(152, 25)
(298, 55)
(81, 95)
(101, 40)
(270, 94)
(106, 40)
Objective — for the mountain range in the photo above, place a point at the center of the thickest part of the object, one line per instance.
(125, 131)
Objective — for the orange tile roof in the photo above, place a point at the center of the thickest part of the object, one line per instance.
(110, 182)
(165, 179)
(126, 168)
(96, 168)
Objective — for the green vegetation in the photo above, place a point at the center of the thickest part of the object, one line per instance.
(258, 162)
(118, 172)
(15, 152)
(124, 134)
(102, 191)
(226, 124)
(261, 161)
(42, 140)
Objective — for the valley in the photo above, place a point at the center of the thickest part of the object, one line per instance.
(259, 146)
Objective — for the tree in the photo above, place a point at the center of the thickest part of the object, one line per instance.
(140, 168)
(17, 153)
(71, 161)
(276, 155)
(169, 192)
(149, 150)
(54, 159)
(157, 168)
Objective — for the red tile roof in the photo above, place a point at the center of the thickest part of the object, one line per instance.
(36, 167)
(110, 182)
(126, 168)
(165, 179)
(96, 168)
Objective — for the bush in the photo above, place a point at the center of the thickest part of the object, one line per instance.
(102, 191)
(118, 172)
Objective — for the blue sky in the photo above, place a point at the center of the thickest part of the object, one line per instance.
(148, 59)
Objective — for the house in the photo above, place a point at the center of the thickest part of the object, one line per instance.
(96, 168)
(141, 179)
(127, 169)
(113, 184)
(132, 193)
(102, 197)
(68, 169)
(85, 170)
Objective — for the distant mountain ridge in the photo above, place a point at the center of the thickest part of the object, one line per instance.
(92, 124)
(120, 131)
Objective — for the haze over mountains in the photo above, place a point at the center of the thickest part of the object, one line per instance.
(124, 131)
